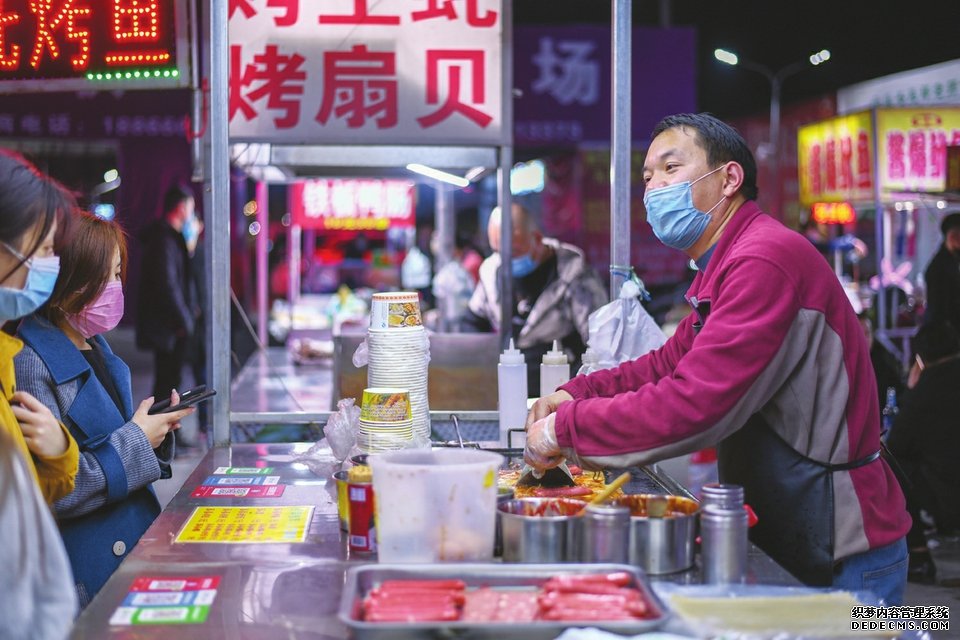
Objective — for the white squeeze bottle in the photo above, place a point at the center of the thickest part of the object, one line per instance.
(554, 370)
(512, 394)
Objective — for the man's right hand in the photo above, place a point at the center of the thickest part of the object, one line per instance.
(546, 405)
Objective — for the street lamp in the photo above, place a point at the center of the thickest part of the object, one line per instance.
(776, 79)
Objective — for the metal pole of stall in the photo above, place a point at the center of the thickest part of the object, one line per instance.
(620, 147)
(878, 226)
(505, 197)
(263, 237)
(445, 224)
(196, 107)
(293, 257)
(219, 221)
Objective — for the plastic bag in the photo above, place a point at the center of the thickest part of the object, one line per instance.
(341, 428)
(623, 330)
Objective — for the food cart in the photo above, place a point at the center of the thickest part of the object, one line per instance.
(889, 166)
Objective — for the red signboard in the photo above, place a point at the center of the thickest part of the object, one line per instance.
(353, 205)
(56, 45)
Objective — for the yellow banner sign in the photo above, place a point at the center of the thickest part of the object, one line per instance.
(913, 147)
(835, 159)
(247, 524)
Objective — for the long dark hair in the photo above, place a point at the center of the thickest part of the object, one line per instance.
(28, 198)
(86, 265)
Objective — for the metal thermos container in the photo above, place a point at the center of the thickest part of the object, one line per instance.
(606, 533)
(724, 544)
(728, 496)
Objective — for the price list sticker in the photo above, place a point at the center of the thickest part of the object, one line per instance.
(246, 525)
(245, 471)
(240, 481)
(167, 600)
(204, 491)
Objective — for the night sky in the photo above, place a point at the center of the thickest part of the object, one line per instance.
(867, 40)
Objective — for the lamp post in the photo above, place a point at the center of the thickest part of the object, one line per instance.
(776, 79)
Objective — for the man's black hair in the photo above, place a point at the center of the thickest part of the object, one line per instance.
(174, 196)
(722, 143)
(949, 223)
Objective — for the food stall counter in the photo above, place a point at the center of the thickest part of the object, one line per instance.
(251, 548)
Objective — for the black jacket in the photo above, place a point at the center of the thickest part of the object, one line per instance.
(166, 304)
(943, 288)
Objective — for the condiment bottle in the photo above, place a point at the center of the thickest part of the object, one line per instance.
(724, 546)
(554, 370)
(590, 362)
(512, 392)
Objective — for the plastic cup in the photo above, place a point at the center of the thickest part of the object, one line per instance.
(435, 506)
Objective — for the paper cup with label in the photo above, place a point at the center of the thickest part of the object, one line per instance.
(385, 404)
(395, 310)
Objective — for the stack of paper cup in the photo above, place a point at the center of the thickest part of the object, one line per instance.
(386, 422)
(398, 352)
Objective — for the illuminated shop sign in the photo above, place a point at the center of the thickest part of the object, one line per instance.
(834, 213)
(58, 45)
(353, 205)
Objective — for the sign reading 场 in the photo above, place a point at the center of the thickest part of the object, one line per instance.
(365, 72)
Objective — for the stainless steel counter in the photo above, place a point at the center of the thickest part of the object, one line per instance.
(279, 590)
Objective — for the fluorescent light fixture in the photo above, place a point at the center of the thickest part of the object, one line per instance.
(474, 173)
(436, 174)
(105, 211)
(725, 56)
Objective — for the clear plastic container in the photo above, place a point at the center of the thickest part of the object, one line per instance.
(435, 506)
(512, 393)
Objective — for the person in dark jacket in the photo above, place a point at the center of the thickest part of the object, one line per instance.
(943, 276)
(925, 440)
(167, 306)
(69, 367)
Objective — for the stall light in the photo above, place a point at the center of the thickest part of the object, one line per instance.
(528, 177)
(436, 174)
(285, 219)
(250, 208)
(254, 228)
(727, 57)
(105, 211)
(898, 206)
(474, 173)
(908, 206)
(941, 204)
(111, 175)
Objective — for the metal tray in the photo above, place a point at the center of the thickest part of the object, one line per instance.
(362, 579)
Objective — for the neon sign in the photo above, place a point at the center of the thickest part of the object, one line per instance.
(57, 45)
(834, 213)
(353, 205)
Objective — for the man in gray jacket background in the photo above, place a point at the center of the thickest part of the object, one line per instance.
(554, 292)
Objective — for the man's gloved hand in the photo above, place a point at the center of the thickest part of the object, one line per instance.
(542, 451)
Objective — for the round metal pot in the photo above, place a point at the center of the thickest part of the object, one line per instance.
(541, 530)
(661, 544)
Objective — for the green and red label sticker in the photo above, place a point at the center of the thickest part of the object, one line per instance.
(167, 600)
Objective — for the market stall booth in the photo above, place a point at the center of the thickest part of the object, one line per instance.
(882, 175)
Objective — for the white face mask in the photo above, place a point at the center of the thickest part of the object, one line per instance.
(41, 277)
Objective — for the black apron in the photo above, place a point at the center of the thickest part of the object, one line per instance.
(792, 496)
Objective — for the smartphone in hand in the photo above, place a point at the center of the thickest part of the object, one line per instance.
(187, 399)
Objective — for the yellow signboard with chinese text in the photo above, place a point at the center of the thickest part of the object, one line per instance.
(913, 147)
(247, 524)
(835, 159)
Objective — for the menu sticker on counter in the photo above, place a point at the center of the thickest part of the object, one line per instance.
(248, 525)
(236, 481)
(250, 471)
(204, 491)
(167, 600)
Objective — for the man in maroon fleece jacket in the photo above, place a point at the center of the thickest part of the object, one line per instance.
(771, 367)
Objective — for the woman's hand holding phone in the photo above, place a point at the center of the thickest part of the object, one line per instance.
(156, 426)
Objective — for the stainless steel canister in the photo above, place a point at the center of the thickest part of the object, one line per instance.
(606, 533)
(724, 544)
(540, 530)
(728, 496)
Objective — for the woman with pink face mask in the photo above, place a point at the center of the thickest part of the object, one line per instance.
(69, 367)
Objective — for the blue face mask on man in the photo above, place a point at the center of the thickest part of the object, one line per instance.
(522, 266)
(670, 211)
(41, 277)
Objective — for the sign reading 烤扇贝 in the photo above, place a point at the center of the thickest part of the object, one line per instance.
(365, 72)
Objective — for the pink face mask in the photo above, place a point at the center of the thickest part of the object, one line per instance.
(101, 315)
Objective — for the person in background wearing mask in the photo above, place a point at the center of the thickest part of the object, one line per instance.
(167, 305)
(943, 276)
(38, 458)
(554, 292)
(68, 366)
(772, 367)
